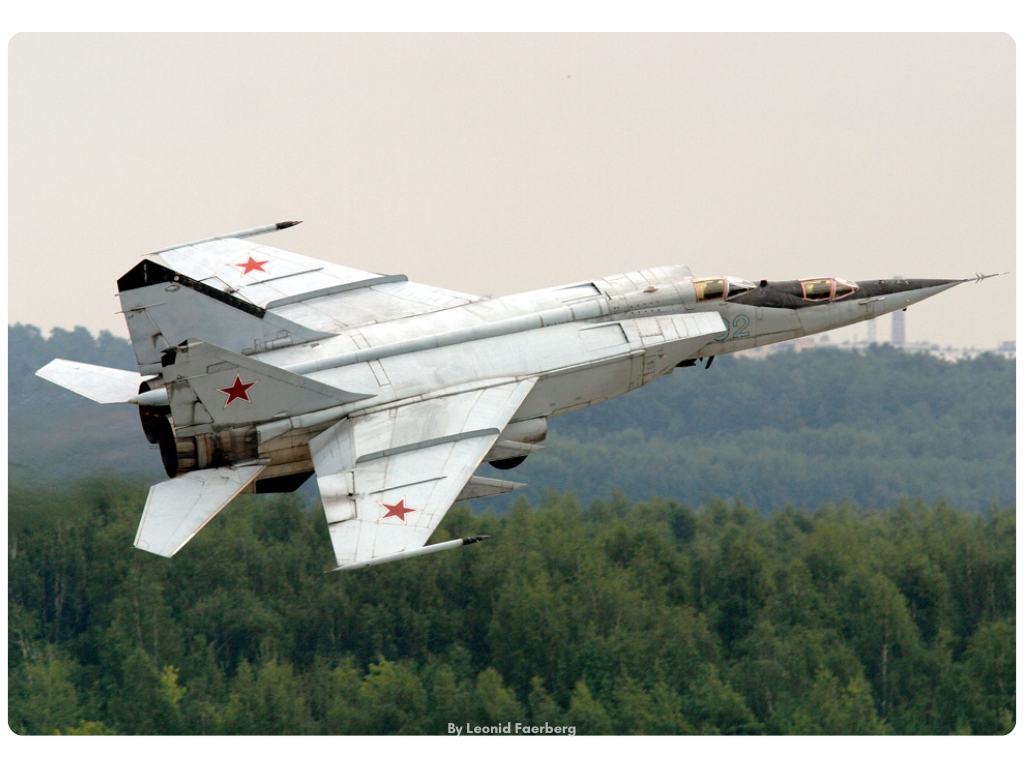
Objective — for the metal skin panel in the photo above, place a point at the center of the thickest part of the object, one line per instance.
(571, 374)
(386, 479)
(396, 391)
(176, 510)
(379, 303)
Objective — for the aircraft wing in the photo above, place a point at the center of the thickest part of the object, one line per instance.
(316, 294)
(387, 478)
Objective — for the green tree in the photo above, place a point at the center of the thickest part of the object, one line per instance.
(990, 665)
(543, 708)
(741, 584)
(529, 634)
(883, 635)
(268, 701)
(451, 700)
(343, 711)
(144, 699)
(41, 695)
(712, 706)
(495, 703)
(638, 711)
(834, 709)
(392, 700)
(587, 713)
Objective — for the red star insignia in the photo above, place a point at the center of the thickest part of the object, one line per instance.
(237, 391)
(398, 510)
(252, 266)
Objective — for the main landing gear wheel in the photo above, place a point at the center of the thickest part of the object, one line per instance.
(512, 463)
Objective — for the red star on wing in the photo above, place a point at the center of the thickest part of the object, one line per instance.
(252, 266)
(237, 391)
(398, 510)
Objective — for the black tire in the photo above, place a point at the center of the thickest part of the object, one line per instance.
(512, 463)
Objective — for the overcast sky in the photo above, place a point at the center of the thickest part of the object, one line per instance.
(499, 163)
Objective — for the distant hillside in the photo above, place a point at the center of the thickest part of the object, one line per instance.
(798, 429)
(56, 436)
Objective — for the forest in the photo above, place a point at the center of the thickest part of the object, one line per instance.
(814, 543)
(612, 617)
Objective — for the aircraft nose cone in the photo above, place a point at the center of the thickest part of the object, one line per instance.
(902, 285)
(899, 293)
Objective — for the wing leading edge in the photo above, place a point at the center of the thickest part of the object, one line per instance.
(388, 478)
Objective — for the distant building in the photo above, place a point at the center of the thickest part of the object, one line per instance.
(899, 329)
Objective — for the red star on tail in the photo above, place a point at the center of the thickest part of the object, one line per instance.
(398, 510)
(252, 266)
(237, 391)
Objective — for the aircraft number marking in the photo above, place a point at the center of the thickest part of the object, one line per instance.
(738, 330)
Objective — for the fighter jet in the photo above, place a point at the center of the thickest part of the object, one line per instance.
(259, 367)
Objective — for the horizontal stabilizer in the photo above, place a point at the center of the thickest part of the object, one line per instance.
(177, 509)
(103, 385)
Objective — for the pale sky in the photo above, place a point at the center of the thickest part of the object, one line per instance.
(499, 163)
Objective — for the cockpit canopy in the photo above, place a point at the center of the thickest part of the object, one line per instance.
(710, 288)
(825, 288)
(811, 289)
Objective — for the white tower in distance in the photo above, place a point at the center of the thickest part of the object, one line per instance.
(899, 328)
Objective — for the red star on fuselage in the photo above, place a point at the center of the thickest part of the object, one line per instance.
(252, 266)
(398, 510)
(237, 391)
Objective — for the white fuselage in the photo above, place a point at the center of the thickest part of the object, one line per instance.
(584, 343)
